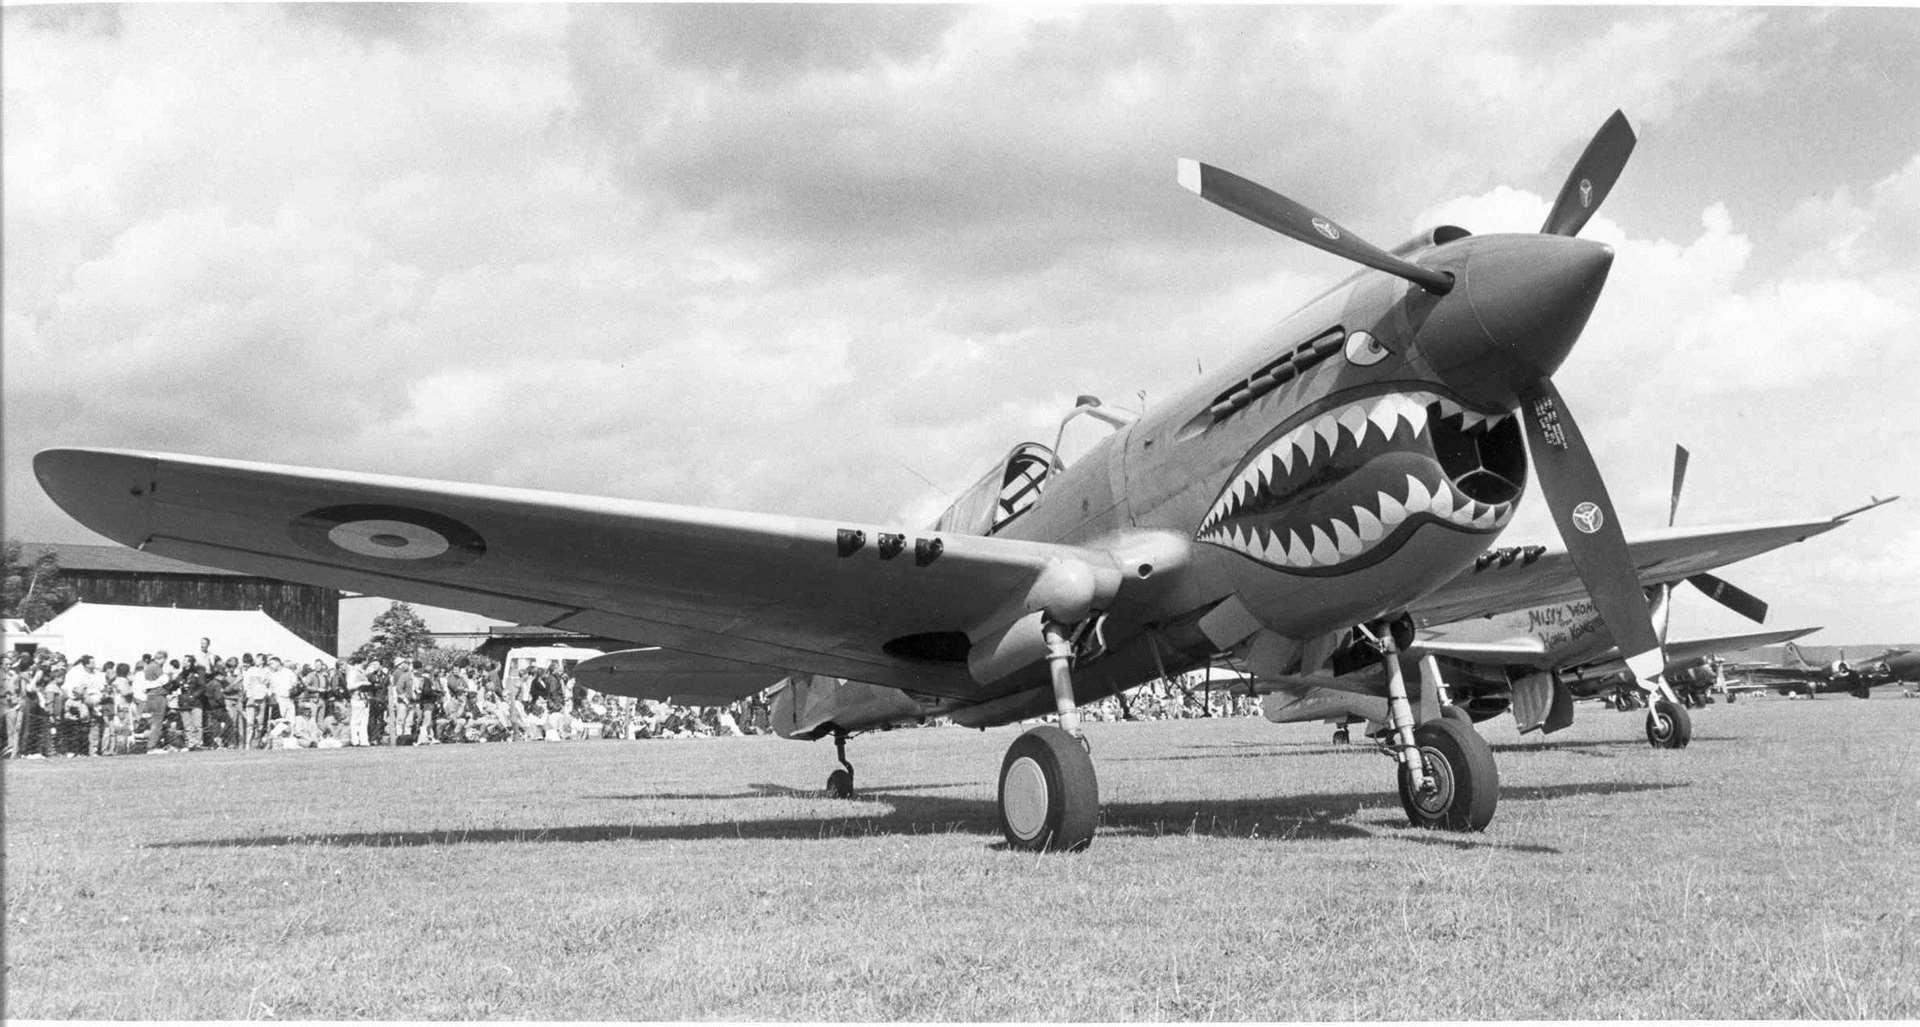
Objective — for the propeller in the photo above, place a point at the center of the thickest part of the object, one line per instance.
(1713, 586)
(1577, 497)
(1264, 207)
(1592, 177)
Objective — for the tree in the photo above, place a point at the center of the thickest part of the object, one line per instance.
(33, 592)
(399, 633)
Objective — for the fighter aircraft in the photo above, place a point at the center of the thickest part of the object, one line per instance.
(1800, 675)
(1340, 475)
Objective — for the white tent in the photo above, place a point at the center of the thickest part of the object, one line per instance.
(122, 633)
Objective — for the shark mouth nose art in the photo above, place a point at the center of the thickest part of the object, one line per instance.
(1346, 485)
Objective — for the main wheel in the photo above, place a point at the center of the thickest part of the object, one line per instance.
(1464, 783)
(1049, 798)
(1668, 726)
(840, 784)
(1456, 714)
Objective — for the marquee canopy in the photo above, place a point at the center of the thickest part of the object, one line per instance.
(122, 633)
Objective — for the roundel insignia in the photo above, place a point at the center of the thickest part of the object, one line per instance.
(1586, 192)
(1588, 518)
(1326, 228)
(399, 534)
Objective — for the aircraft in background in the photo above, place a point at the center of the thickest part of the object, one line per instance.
(1340, 479)
(1801, 676)
(1557, 655)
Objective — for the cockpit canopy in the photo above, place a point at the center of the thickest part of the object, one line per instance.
(1002, 494)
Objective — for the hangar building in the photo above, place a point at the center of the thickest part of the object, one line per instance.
(129, 577)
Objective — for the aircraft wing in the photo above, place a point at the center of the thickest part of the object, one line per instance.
(1695, 648)
(826, 597)
(1515, 579)
(1533, 653)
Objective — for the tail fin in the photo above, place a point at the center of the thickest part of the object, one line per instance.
(1797, 658)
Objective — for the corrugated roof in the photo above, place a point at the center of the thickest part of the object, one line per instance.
(75, 556)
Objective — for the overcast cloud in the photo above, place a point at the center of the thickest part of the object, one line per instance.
(796, 258)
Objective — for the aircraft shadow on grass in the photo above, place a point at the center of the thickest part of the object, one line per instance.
(889, 810)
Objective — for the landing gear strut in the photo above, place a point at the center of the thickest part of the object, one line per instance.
(1447, 776)
(840, 782)
(1049, 797)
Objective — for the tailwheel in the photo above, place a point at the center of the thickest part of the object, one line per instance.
(1049, 798)
(1463, 784)
(1668, 726)
(1341, 736)
(840, 782)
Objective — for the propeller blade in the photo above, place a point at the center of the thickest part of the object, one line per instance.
(1730, 596)
(1592, 177)
(1680, 455)
(1584, 514)
(1264, 207)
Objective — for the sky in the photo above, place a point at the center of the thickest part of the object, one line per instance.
(835, 261)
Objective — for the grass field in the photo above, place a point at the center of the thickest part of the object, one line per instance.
(1243, 871)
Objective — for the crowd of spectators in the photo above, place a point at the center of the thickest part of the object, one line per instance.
(162, 703)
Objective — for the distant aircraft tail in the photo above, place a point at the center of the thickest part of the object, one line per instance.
(1796, 658)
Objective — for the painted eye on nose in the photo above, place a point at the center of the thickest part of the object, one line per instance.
(1364, 350)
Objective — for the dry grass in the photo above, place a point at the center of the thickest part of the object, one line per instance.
(1244, 871)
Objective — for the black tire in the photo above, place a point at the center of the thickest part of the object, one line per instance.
(1460, 765)
(1049, 797)
(1863, 692)
(1457, 715)
(840, 784)
(1668, 726)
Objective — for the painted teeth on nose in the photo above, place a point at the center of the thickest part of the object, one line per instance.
(1391, 512)
(1442, 504)
(1368, 526)
(1345, 539)
(1354, 420)
(1418, 498)
(1299, 550)
(1386, 415)
(1329, 430)
(1414, 410)
(1325, 552)
(1448, 408)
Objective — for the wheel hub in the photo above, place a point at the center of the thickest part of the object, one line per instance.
(1438, 793)
(1025, 798)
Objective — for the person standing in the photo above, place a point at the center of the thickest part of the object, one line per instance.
(257, 691)
(403, 691)
(188, 698)
(157, 682)
(233, 696)
(213, 705)
(428, 708)
(281, 681)
(359, 689)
